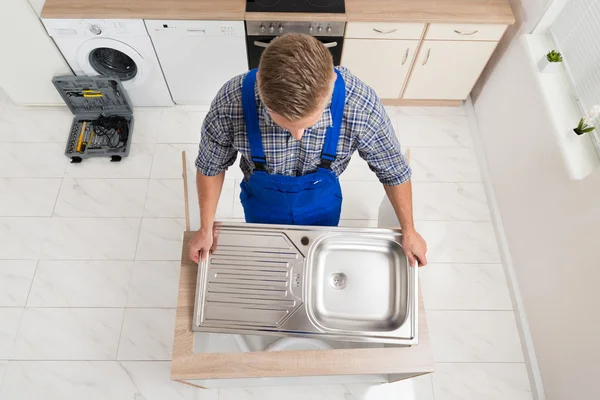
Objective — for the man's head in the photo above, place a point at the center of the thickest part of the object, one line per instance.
(295, 81)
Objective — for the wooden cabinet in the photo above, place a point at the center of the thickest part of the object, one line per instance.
(447, 70)
(381, 64)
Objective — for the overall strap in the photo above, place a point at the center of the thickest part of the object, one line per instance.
(251, 120)
(333, 132)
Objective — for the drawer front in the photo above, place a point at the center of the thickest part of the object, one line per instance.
(384, 30)
(490, 32)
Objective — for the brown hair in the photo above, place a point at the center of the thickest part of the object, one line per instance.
(295, 75)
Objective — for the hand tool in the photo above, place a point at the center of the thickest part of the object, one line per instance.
(81, 137)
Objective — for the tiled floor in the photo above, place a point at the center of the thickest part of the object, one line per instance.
(88, 263)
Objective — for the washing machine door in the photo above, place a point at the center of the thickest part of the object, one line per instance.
(110, 57)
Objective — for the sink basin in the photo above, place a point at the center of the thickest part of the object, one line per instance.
(357, 283)
(332, 283)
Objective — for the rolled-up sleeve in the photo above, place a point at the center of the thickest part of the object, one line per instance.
(379, 147)
(216, 152)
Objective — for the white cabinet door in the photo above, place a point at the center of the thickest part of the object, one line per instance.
(381, 64)
(447, 70)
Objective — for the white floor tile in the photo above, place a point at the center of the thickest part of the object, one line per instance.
(459, 242)
(358, 170)
(464, 287)
(91, 239)
(146, 126)
(167, 161)
(361, 199)
(275, 393)
(450, 202)
(437, 164)
(160, 239)
(68, 238)
(431, 110)
(10, 318)
(154, 284)
(15, 281)
(179, 125)
(137, 165)
(68, 334)
(165, 198)
(80, 284)
(25, 197)
(474, 336)
(147, 334)
(3, 364)
(35, 125)
(358, 223)
(419, 388)
(226, 208)
(434, 131)
(32, 160)
(467, 381)
(101, 198)
(91, 380)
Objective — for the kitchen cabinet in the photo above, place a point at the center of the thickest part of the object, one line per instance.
(447, 70)
(381, 64)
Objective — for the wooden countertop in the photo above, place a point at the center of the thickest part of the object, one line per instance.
(188, 365)
(231, 10)
(459, 11)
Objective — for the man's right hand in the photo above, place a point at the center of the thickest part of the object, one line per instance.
(200, 245)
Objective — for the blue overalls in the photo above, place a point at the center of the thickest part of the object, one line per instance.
(312, 199)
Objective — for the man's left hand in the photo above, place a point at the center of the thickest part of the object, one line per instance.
(415, 248)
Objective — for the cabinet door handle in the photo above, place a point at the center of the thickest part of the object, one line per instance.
(466, 33)
(426, 57)
(330, 45)
(405, 57)
(385, 32)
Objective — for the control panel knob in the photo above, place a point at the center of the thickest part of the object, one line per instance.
(311, 29)
(329, 29)
(320, 29)
(280, 29)
(262, 28)
(271, 29)
(95, 29)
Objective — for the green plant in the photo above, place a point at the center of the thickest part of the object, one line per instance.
(584, 126)
(554, 56)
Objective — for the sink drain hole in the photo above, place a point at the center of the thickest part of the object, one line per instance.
(338, 280)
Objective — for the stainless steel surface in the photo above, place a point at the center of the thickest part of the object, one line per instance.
(332, 283)
(466, 33)
(276, 28)
(386, 32)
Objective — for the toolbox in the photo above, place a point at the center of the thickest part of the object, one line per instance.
(103, 122)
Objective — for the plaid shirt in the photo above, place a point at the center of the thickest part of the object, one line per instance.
(366, 127)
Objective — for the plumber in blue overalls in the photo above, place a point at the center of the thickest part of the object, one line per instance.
(291, 164)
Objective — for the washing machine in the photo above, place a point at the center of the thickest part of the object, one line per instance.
(120, 48)
(199, 57)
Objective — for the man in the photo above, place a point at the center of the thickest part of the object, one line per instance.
(296, 122)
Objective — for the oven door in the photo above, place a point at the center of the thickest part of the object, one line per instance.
(257, 44)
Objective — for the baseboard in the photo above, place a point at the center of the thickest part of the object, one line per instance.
(422, 103)
(533, 370)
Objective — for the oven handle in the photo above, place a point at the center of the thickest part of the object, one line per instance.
(265, 45)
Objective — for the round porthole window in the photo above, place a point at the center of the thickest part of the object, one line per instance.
(111, 62)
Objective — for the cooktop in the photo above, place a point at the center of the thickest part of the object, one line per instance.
(315, 6)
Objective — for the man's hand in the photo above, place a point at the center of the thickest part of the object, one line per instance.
(415, 248)
(200, 245)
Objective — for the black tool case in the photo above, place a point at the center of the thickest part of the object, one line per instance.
(97, 102)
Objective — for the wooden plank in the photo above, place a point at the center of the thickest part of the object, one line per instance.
(231, 10)
(188, 365)
(463, 11)
(311, 17)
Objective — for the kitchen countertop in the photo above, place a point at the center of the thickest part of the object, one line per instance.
(459, 11)
(188, 365)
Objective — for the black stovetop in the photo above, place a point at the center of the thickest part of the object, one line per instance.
(315, 6)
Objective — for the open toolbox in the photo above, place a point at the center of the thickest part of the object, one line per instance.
(103, 122)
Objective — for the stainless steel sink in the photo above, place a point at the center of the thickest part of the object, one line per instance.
(335, 283)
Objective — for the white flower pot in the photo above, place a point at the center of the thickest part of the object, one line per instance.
(546, 66)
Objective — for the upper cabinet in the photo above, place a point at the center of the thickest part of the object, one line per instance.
(381, 54)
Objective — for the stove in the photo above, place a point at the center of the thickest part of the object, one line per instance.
(306, 6)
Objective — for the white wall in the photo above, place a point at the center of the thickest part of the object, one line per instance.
(552, 225)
